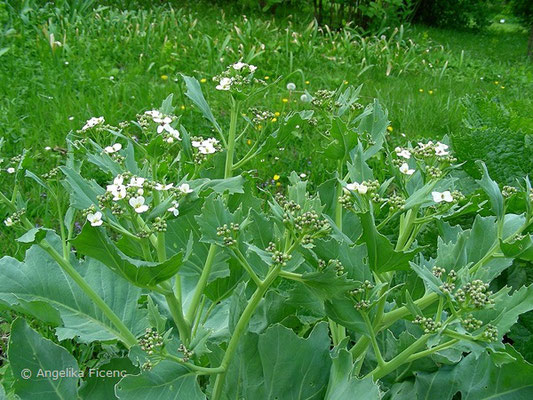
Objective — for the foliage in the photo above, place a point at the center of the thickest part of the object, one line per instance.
(198, 285)
(453, 13)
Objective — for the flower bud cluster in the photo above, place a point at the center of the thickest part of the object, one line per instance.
(396, 202)
(322, 98)
(229, 233)
(281, 258)
(151, 342)
(474, 294)
(187, 354)
(470, 323)
(508, 191)
(51, 174)
(433, 172)
(362, 289)
(429, 150)
(428, 325)
(260, 116)
(490, 334)
(159, 225)
(438, 271)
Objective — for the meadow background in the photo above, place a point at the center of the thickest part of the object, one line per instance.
(64, 62)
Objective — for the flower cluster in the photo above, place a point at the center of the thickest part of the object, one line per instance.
(490, 334)
(229, 233)
(151, 341)
(14, 218)
(509, 191)
(187, 354)
(428, 325)
(93, 122)
(431, 150)
(281, 258)
(474, 294)
(164, 125)
(204, 147)
(260, 116)
(470, 323)
(235, 76)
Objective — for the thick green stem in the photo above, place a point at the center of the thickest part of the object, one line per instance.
(228, 170)
(428, 352)
(177, 315)
(241, 327)
(123, 332)
(400, 359)
(202, 282)
(247, 267)
(197, 369)
(373, 341)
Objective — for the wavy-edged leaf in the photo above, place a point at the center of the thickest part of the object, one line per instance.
(29, 353)
(93, 242)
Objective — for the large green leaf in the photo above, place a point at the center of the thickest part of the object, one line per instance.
(83, 193)
(93, 242)
(38, 286)
(343, 140)
(381, 254)
(99, 385)
(343, 385)
(478, 379)
(374, 121)
(491, 188)
(167, 380)
(37, 362)
(265, 366)
(194, 92)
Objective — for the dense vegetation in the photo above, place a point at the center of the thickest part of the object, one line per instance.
(184, 191)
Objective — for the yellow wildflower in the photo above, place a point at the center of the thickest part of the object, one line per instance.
(276, 177)
(164, 77)
(203, 80)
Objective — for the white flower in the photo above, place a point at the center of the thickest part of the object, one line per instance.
(403, 153)
(185, 188)
(10, 170)
(404, 169)
(138, 204)
(441, 149)
(302, 175)
(113, 149)
(95, 219)
(357, 187)
(225, 84)
(91, 123)
(239, 65)
(291, 86)
(136, 182)
(206, 146)
(8, 221)
(444, 196)
(117, 188)
(172, 131)
(252, 68)
(175, 208)
(161, 187)
(48, 148)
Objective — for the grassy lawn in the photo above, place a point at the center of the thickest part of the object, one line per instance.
(58, 69)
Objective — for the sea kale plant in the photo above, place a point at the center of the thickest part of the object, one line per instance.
(173, 266)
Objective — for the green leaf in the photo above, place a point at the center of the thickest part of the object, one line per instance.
(478, 379)
(326, 284)
(507, 309)
(194, 92)
(32, 355)
(265, 367)
(166, 380)
(521, 248)
(93, 242)
(343, 140)
(34, 235)
(99, 386)
(374, 121)
(491, 188)
(342, 311)
(342, 384)
(38, 286)
(83, 193)
(215, 214)
(166, 106)
(381, 254)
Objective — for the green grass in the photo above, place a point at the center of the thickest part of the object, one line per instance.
(119, 63)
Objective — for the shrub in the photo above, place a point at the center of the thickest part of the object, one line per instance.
(453, 13)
